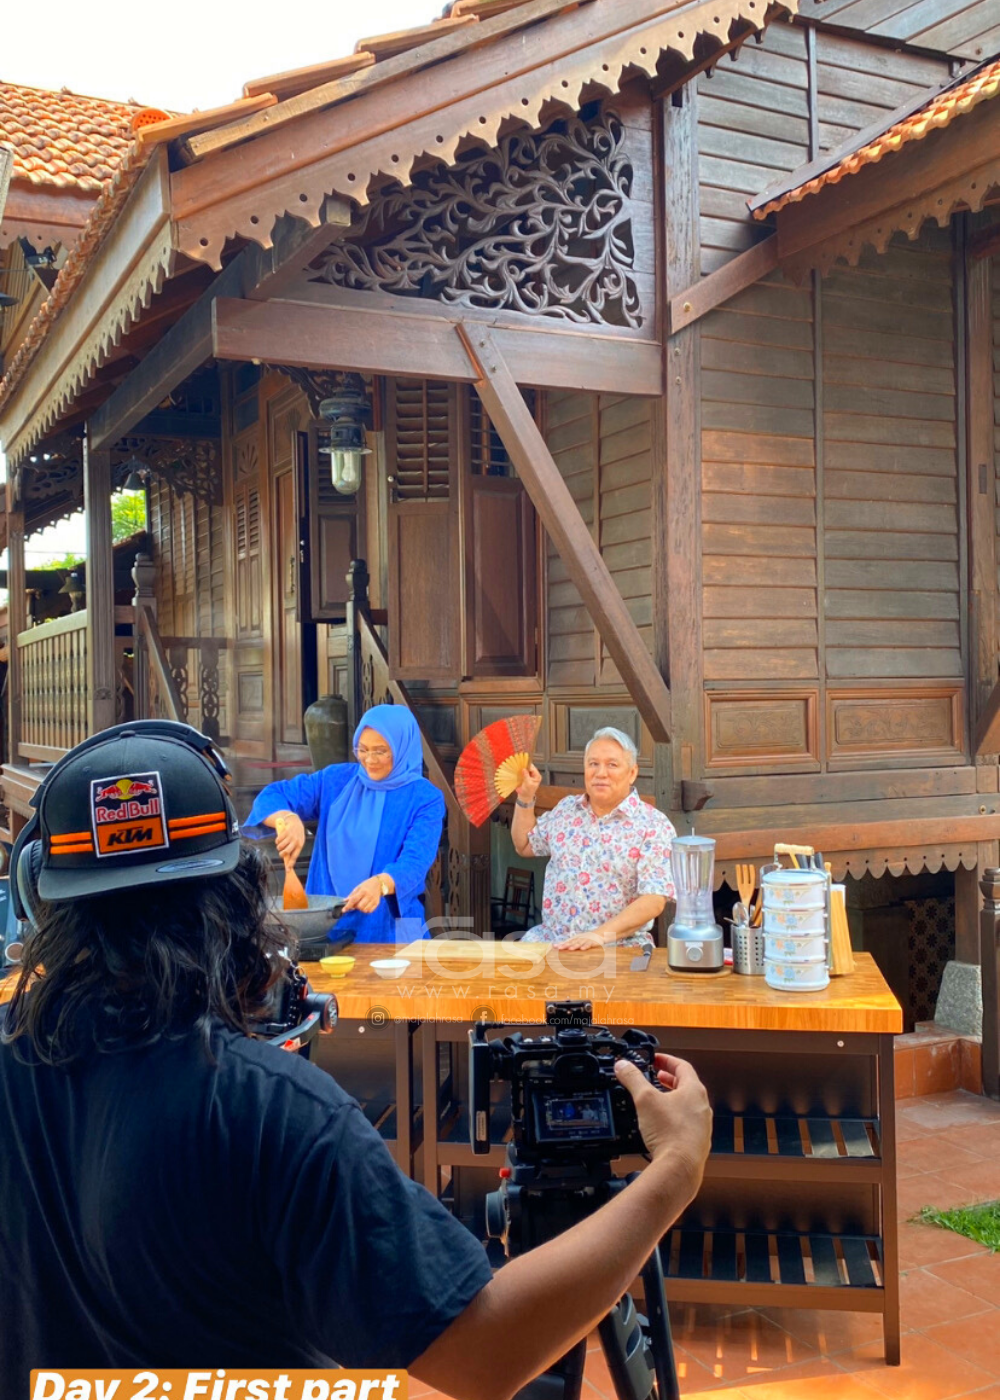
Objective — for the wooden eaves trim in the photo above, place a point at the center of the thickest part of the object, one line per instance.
(44, 214)
(129, 267)
(242, 191)
(951, 168)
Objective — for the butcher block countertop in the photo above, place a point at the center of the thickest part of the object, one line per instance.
(515, 990)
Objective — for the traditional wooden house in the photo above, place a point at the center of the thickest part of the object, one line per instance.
(674, 324)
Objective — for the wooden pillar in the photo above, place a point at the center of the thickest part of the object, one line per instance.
(100, 590)
(980, 474)
(144, 577)
(357, 597)
(17, 613)
(989, 926)
(677, 600)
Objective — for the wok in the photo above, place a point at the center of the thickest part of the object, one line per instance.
(315, 927)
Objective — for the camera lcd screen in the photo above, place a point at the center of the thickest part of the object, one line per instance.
(559, 1117)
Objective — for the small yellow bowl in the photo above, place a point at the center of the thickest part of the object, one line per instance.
(337, 966)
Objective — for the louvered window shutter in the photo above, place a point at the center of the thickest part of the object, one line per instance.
(422, 436)
(423, 535)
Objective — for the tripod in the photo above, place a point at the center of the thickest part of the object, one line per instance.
(639, 1350)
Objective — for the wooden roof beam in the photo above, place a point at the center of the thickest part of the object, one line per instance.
(565, 526)
(723, 284)
(381, 341)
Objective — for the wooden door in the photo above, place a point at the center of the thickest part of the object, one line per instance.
(288, 633)
(501, 612)
(424, 578)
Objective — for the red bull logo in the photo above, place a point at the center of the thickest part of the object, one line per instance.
(128, 814)
(124, 789)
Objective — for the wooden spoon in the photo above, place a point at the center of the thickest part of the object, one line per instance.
(294, 895)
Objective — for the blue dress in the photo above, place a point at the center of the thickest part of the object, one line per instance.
(407, 845)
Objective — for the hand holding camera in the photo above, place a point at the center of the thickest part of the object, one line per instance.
(677, 1123)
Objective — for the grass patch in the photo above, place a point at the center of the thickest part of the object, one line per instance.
(981, 1223)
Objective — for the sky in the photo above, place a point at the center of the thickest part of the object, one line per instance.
(200, 59)
(126, 51)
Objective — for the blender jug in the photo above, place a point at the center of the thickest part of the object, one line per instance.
(694, 939)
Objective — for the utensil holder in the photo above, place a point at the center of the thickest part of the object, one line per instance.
(748, 950)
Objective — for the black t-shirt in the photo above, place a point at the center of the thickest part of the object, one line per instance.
(158, 1210)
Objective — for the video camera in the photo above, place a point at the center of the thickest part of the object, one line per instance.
(296, 1014)
(566, 1101)
(571, 1119)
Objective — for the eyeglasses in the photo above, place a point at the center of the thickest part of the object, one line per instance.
(376, 754)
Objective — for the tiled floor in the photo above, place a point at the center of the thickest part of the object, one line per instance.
(949, 1154)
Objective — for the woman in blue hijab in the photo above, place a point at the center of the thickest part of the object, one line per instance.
(378, 828)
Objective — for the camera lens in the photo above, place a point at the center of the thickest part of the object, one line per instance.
(496, 1219)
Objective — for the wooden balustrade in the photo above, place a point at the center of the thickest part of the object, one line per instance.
(163, 674)
(53, 687)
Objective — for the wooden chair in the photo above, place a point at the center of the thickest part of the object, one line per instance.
(516, 911)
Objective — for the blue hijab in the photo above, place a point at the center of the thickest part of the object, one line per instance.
(356, 815)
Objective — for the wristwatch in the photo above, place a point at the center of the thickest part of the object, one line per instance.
(383, 885)
(524, 804)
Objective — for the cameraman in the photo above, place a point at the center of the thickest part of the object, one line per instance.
(172, 1190)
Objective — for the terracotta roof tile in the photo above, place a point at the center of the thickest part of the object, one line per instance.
(938, 111)
(62, 139)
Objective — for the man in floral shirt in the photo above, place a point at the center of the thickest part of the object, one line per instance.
(609, 873)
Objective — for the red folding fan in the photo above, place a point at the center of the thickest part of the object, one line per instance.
(493, 764)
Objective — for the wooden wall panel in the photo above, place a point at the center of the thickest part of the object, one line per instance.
(602, 445)
(762, 730)
(996, 416)
(857, 83)
(870, 728)
(624, 473)
(571, 433)
(759, 488)
(891, 512)
(753, 126)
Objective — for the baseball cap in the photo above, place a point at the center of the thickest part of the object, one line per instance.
(133, 809)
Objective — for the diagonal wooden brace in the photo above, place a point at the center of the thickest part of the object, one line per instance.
(566, 528)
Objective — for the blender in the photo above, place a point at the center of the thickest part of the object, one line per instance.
(694, 939)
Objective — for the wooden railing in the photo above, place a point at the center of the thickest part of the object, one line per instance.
(458, 884)
(162, 674)
(53, 687)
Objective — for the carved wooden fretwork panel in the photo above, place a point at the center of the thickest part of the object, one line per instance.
(540, 225)
(189, 466)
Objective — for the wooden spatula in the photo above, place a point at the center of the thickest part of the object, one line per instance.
(293, 896)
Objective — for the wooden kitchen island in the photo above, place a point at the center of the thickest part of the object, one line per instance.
(798, 1205)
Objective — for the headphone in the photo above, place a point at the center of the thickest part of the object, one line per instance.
(26, 856)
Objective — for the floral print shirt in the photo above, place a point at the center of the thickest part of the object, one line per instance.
(599, 865)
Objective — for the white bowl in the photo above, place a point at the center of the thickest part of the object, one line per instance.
(390, 967)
